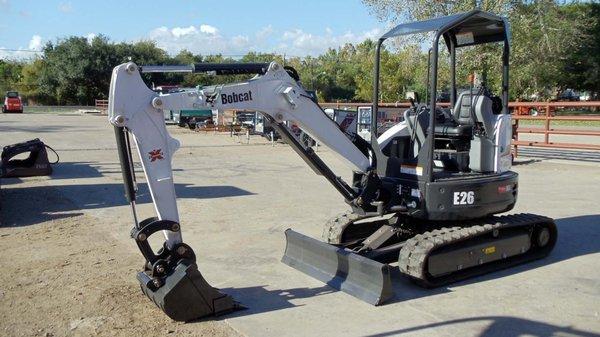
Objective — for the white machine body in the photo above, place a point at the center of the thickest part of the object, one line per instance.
(140, 110)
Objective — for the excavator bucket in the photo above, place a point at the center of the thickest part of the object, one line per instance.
(36, 163)
(340, 268)
(186, 295)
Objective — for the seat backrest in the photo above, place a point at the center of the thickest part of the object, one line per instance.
(417, 125)
(462, 109)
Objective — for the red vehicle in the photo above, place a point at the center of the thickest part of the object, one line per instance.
(12, 102)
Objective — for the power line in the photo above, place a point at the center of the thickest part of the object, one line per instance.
(21, 50)
(204, 55)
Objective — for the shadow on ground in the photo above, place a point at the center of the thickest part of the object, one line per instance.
(270, 300)
(525, 162)
(75, 170)
(46, 202)
(66, 170)
(36, 129)
(577, 236)
(10, 181)
(499, 326)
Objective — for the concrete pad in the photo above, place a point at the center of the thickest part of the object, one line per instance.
(236, 200)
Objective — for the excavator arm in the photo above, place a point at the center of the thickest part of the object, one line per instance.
(171, 278)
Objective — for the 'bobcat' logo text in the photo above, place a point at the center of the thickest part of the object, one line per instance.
(235, 98)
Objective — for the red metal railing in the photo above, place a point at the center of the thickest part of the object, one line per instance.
(546, 112)
(546, 115)
(338, 105)
(102, 104)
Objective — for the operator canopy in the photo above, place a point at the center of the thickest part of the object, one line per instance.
(464, 29)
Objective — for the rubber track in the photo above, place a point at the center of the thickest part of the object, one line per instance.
(413, 256)
(334, 228)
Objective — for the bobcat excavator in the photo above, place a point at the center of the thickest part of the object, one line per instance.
(425, 194)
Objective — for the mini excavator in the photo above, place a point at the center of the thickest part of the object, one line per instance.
(425, 194)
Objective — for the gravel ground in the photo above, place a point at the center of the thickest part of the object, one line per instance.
(61, 275)
(68, 265)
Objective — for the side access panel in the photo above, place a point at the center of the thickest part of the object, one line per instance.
(471, 198)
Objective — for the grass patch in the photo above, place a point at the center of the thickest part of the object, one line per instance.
(559, 123)
(565, 112)
(57, 109)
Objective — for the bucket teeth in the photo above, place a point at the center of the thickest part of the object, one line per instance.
(340, 268)
(186, 296)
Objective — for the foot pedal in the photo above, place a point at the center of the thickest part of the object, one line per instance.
(340, 268)
(186, 296)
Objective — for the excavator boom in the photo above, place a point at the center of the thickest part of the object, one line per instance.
(171, 278)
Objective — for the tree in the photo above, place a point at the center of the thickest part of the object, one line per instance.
(416, 10)
(554, 46)
(28, 83)
(581, 67)
(77, 71)
(544, 35)
(10, 72)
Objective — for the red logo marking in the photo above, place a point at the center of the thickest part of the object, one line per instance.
(156, 154)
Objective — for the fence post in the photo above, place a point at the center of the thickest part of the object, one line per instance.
(547, 124)
(516, 136)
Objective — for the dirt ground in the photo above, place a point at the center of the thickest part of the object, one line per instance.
(64, 277)
(68, 265)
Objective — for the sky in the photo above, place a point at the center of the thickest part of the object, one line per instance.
(229, 27)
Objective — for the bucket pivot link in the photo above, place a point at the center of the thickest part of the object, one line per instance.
(171, 278)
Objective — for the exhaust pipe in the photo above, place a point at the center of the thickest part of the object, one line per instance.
(340, 268)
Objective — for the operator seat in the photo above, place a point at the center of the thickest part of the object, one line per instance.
(417, 124)
(460, 123)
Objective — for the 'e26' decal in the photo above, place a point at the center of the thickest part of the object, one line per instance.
(463, 198)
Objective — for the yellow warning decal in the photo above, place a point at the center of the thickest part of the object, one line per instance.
(489, 250)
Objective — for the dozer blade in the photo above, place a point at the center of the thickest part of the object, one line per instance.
(340, 268)
(186, 295)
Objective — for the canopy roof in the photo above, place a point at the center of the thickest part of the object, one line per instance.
(464, 29)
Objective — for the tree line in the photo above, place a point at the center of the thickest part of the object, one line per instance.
(554, 46)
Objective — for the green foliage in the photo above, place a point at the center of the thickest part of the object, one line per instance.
(10, 73)
(580, 69)
(28, 84)
(75, 71)
(545, 35)
(415, 10)
(554, 46)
